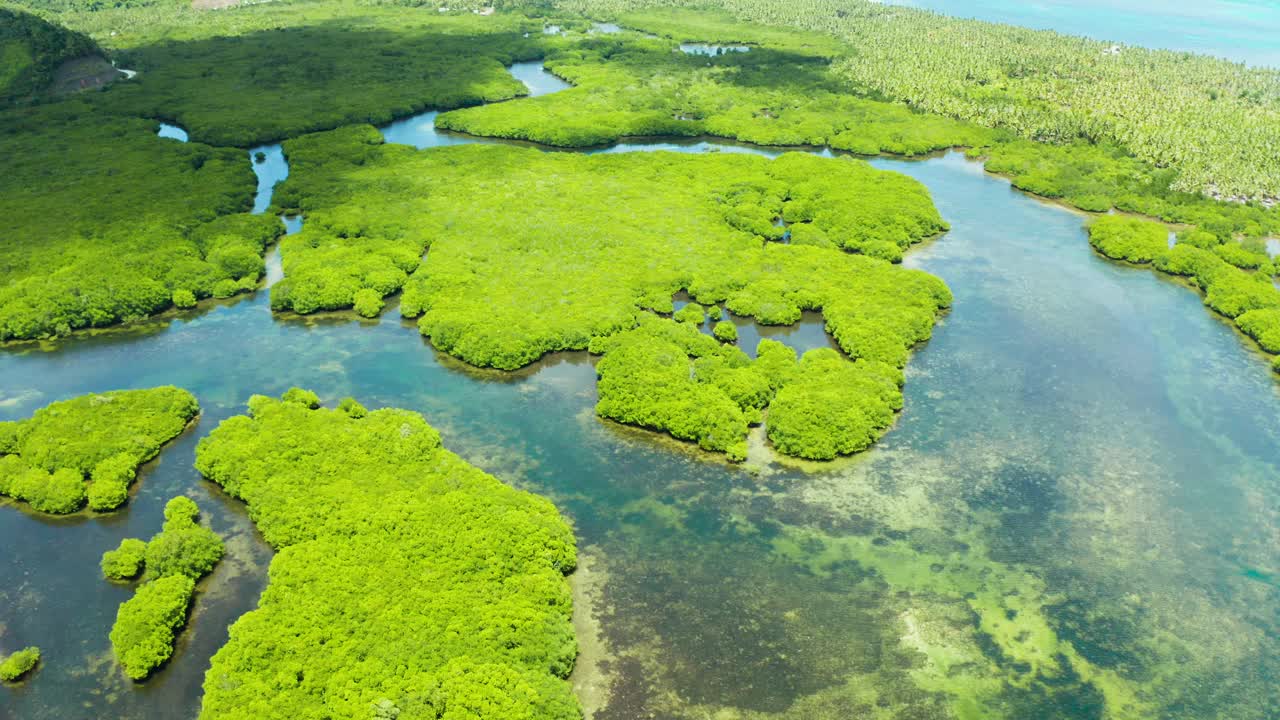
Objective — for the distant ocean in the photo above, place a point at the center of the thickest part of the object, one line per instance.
(1240, 30)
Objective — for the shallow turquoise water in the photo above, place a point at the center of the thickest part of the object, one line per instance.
(1241, 30)
(1082, 442)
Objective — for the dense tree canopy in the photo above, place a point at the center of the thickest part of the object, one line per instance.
(18, 664)
(786, 92)
(45, 459)
(1126, 238)
(406, 581)
(104, 222)
(668, 376)
(125, 562)
(147, 625)
(250, 75)
(1216, 122)
(533, 252)
(627, 85)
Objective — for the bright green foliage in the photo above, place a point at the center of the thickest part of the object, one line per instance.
(256, 74)
(1228, 290)
(667, 376)
(181, 510)
(1099, 177)
(183, 299)
(1235, 292)
(19, 664)
(110, 481)
(1263, 326)
(31, 49)
(834, 407)
(714, 312)
(147, 623)
(1202, 239)
(58, 493)
(305, 398)
(368, 302)
(774, 95)
(1131, 239)
(723, 28)
(9, 442)
(106, 436)
(1245, 258)
(183, 547)
(82, 432)
(407, 582)
(1247, 297)
(1215, 121)
(533, 252)
(125, 562)
(647, 378)
(79, 249)
(725, 331)
(693, 313)
(352, 408)
(176, 557)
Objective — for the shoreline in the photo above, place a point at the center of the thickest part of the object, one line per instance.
(592, 678)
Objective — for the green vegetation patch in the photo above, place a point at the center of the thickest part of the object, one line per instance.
(1098, 177)
(19, 664)
(830, 407)
(125, 562)
(105, 222)
(253, 74)
(724, 29)
(407, 582)
(1235, 280)
(668, 376)
(774, 95)
(45, 459)
(31, 49)
(532, 252)
(1131, 239)
(1217, 122)
(147, 625)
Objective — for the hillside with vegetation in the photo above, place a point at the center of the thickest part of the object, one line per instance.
(31, 50)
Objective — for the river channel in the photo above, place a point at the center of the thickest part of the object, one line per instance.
(1087, 469)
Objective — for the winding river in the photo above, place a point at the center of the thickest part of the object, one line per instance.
(1084, 429)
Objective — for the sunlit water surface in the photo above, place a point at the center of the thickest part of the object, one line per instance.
(1241, 30)
(1077, 508)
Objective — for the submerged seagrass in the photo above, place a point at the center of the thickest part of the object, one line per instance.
(407, 582)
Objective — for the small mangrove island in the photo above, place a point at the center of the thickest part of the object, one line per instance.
(101, 438)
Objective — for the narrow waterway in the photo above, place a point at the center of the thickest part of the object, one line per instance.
(1086, 466)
